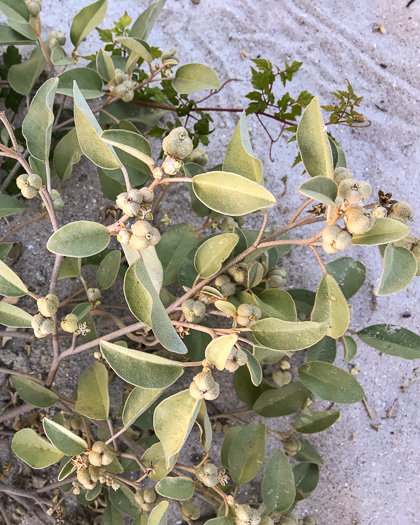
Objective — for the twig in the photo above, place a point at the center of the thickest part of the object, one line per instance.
(318, 258)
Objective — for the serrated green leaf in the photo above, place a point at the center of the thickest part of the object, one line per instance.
(86, 20)
(180, 488)
(316, 421)
(87, 79)
(231, 194)
(108, 269)
(331, 307)
(278, 485)
(247, 456)
(330, 382)
(277, 402)
(66, 154)
(67, 442)
(10, 284)
(399, 269)
(14, 316)
(349, 274)
(277, 334)
(392, 340)
(320, 188)
(92, 392)
(219, 349)
(34, 393)
(79, 239)
(34, 450)
(192, 78)
(383, 232)
(213, 252)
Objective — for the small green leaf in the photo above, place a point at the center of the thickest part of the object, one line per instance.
(34, 450)
(67, 442)
(86, 20)
(383, 232)
(324, 350)
(155, 454)
(87, 79)
(306, 479)
(282, 401)
(15, 10)
(131, 143)
(123, 500)
(312, 142)
(277, 334)
(34, 393)
(349, 274)
(108, 269)
(192, 78)
(330, 382)
(278, 485)
(140, 368)
(22, 76)
(104, 65)
(331, 307)
(392, 340)
(308, 454)
(5, 248)
(254, 368)
(173, 420)
(92, 392)
(159, 515)
(399, 269)
(88, 134)
(247, 455)
(66, 154)
(138, 401)
(139, 47)
(350, 348)
(316, 421)
(14, 316)
(10, 283)
(79, 239)
(239, 157)
(70, 267)
(111, 516)
(320, 188)
(9, 206)
(146, 20)
(213, 252)
(231, 194)
(219, 349)
(180, 488)
(277, 303)
(204, 424)
(137, 296)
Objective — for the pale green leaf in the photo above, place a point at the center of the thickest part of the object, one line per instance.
(14, 316)
(87, 79)
(349, 274)
(86, 20)
(140, 368)
(399, 269)
(313, 422)
(219, 349)
(10, 283)
(10, 37)
(5, 248)
(108, 269)
(247, 455)
(192, 78)
(156, 455)
(34, 450)
(138, 401)
(278, 485)
(9, 206)
(137, 296)
(308, 454)
(22, 76)
(34, 393)
(159, 515)
(254, 368)
(66, 441)
(392, 340)
(66, 154)
(146, 20)
(79, 239)
(331, 307)
(180, 488)
(92, 392)
(204, 424)
(15, 10)
(239, 157)
(231, 194)
(277, 334)
(226, 307)
(320, 188)
(350, 348)
(383, 232)
(312, 142)
(173, 420)
(277, 303)
(278, 402)
(104, 65)
(129, 142)
(139, 47)
(330, 382)
(213, 252)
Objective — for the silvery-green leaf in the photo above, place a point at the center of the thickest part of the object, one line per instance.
(180, 488)
(66, 154)
(34, 450)
(312, 142)
(159, 515)
(143, 25)
(138, 401)
(331, 307)
(219, 349)
(392, 340)
(66, 441)
(226, 307)
(137, 296)
(108, 269)
(192, 78)
(383, 232)
(140, 368)
(204, 424)
(399, 269)
(87, 79)
(277, 303)
(254, 367)
(231, 194)
(9, 206)
(278, 485)
(92, 392)
(79, 239)
(15, 10)
(86, 20)
(37, 126)
(247, 455)
(14, 316)
(173, 420)
(34, 393)
(277, 334)
(131, 112)
(349, 274)
(239, 157)
(104, 65)
(137, 46)
(156, 455)
(213, 252)
(10, 284)
(130, 142)
(320, 188)
(10, 37)
(59, 57)
(22, 76)
(190, 170)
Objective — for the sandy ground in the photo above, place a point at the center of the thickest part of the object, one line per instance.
(371, 474)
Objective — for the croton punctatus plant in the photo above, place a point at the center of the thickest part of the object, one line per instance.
(201, 301)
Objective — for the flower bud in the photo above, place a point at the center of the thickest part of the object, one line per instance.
(358, 220)
(204, 386)
(130, 202)
(245, 515)
(236, 358)
(178, 143)
(380, 212)
(83, 477)
(401, 211)
(42, 325)
(93, 294)
(70, 323)
(189, 511)
(194, 311)
(282, 377)
(341, 174)
(56, 39)
(354, 192)
(171, 166)
(144, 235)
(248, 314)
(170, 54)
(199, 156)
(34, 7)
(48, 305)
(207, 474)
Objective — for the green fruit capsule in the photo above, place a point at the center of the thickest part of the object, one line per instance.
(189, 511)
(48, 305)
(204, 386)
(119, 77)
(178, 143)
(245, 515)
(70, 323)
(228, 224)
(144, 235)
(42, 326)
(401, 211)
(56, 39)
(199, 156)
(194, 311)
(288, 519)
(95, 459)
(341, 174)
(207, 474)
(282, 377)
(354, 192)
(170, 54)
(236, 358)
(93, 294)
(291, 445)
(248, 314)
(130, 202)
(83, 477)
(309, 520)
(358, 220)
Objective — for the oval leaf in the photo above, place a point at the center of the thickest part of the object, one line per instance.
(14, 317)
(159, 515)
(247, 455)
(383, 232)
(130, 142)
(140, 48)
(79, 239)
(63, 439)
(156, 455)
(34, 393)
(399, 269)
(330, 382)
(392, 340)
(141, 369)
(22, 76)
(349, 274)
(87, 79)
(316, 421)
(123, 500)
(180, 488)
(138, 401)
(331, 307)
(108, 269)
(212, 253)
(34, 450)
(9, 206)
(92, 392)
(219, 349)
(10, 283)
(282, 401)
(278, 485)
(66, 154)
(277, 334)
(104, 65)
(277, 303)
(191, 78)
(86, 20)
(320, 188)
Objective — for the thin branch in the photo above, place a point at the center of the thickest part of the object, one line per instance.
(318, 258)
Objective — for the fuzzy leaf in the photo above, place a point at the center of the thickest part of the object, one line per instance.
(399, 269)
(79, 239)
(219, 349)
(92, 392)
(331, 307)
(213, 252)
(66, 154)
(34, 393)
(108, 269)
(123, 500)
(67, 442)
(392, 340)
(9, 206)
(320, 188)
(104, 65)
(277, 303)
(129, 142)
(146, 20)
(14, 316)
(22, 76)
(86, 20)
(34, 450)
(383, 232)
(15, 10)
(139, 47)
(350, 348)
(277, 334)
(192, 78)
(159, 515)
(155, 454)
(316, 421)
(349, 274)
(180, 488)
(10, 283)
(87, 79)
(278, 402)
(138, 401)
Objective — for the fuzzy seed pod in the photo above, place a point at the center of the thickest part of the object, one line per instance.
(57, 200)
(42, 325)
(149, 495)
(358, 220)
(245, 515)
(34, 7)
(291, 445)
(29, 184)
(343, 241)
(29, 193)
(380, 212)
(204, 386)
(207, 474)
(83, 477)
(248, 314)
(95, 459)
(354, 192)
(177, 144)
(147, 195)
(224, 284)
(194, 311)
(189, 511)
(130, 202)
(238, 273)
(329, 237)
(341, 174)
(70, 323)
(339, 201)
(56, 38)
(48, 305)
(124, 236)
(170, 54)
(277, 277)
(288, 519)
(199, 156)
(107, 456)
(141, 502)
(402, 211)
(282, 377)
(284, 364)
(310, 520)
(119, 77)
(266, 520)
(93, 294)
(124, 91)
(171, 166)
(228, 224)
(94, 473)
(236, 358)
(144, 235)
